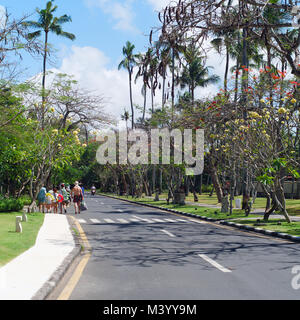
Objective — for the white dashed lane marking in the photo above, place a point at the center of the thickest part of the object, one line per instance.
(213, 263)
(169, 233)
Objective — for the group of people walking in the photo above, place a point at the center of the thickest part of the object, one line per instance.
(61, 198)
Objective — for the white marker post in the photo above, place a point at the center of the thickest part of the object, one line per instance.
(18, 224)
(24, 217)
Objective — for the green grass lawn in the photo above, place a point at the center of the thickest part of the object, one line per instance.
(277, 225)
(259, 202)
(189, 208)
(13, 244)
(293, 206)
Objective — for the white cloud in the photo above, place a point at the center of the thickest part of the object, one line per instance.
(120, 11)
(2, 16)
(160, 4)
(90, 67)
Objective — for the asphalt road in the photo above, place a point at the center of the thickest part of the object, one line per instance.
(136, 259)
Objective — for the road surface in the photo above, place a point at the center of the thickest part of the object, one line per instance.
(140, 253)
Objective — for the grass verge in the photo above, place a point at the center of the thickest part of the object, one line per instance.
(292, 205)
(13, 244)
(189, 208)
(277, 225)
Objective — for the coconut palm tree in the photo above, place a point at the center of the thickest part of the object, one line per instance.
(143, 72)
(46, 24)
(169, 54)
(194, 73)
(128, 63)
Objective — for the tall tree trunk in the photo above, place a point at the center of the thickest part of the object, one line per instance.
(216, 181)
(152, 95)
(226, 69)
(44, 79)
(163, 90)
(193, 94)
(173, 82)
(154, 178)
(131, 100)
(201, 184)
(145, 102)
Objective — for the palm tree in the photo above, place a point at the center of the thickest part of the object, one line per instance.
(194, 73)
(143, 64)
(125, 117)
(128, 63)
(170, 52)
(48, 23)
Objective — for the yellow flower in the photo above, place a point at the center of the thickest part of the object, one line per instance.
(254, 115)
(293, 100)
(281, 110)
(262, 100)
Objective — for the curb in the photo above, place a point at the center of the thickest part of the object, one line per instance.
(270, 233)
(50, 285)
(262, 231)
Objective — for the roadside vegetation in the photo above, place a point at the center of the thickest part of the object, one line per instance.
(13, 244)
(50, 125)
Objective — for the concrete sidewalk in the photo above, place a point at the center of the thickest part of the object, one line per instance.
(26, 276)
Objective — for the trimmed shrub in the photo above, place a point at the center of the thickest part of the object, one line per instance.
(11, 204)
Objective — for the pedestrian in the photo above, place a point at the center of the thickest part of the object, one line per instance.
(69, 188)
(49, 199)
(55, 200)
(42, 199)
(65, 201)
(77, 197)
(82, 188)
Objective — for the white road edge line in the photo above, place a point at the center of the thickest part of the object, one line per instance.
(168, 233)
(214, 263)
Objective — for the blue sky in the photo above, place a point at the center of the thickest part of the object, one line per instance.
(102, 28)
(101, 24)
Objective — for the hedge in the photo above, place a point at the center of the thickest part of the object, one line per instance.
(11, 204)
